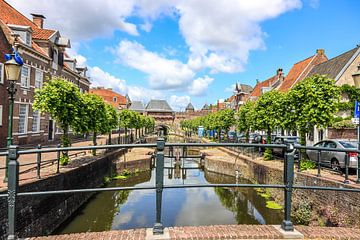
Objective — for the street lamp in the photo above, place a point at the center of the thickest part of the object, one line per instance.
(356, 77)
(12, 72)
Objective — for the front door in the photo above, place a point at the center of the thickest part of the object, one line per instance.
(51, 130)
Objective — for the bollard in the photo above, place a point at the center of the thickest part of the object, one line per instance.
(346, 180)
(38, 162)
(13, 186)
(318, 162)
(158, 227)
(58, 159)
(288, 182)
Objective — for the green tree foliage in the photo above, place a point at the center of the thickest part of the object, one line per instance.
(62, 101)
(95, 117)
(112, 119)
(245, 118)
(313, 102)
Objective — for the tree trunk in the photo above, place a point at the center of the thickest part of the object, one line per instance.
(247, 135)
(219, 135)
(126, 135)
(94, 143)
(109, 141)
(65, 141)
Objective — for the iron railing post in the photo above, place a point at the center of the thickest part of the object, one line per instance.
(158, 227)
(58, 159)
(347, 158)
(299, 162)
(38, 162)
(13, 185)
(288, 182)
(319, 163)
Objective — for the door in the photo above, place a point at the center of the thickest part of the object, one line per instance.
(312, 154)
(51, 130)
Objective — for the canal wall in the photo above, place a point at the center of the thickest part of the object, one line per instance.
(313, 207)
(40, 215)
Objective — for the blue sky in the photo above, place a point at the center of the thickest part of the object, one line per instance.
(195, 50)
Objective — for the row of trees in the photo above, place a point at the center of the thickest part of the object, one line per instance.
(84, 113)
(311, 102)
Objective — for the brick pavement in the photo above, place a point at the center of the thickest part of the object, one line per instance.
(216, 232)
(29, 174)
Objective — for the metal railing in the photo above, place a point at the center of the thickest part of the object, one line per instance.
(288, 181)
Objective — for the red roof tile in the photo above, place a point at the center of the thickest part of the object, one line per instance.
(267, 83)
(108, 96)
(42, 34)
(300, 70)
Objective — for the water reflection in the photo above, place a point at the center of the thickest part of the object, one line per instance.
(192, 206)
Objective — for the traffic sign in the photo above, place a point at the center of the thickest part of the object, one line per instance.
(356, 112)
(355, 120)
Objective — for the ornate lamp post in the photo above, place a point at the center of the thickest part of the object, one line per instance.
(12, 71)
(356, 77)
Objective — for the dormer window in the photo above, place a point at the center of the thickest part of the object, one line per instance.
(115, 99)
(24, 33)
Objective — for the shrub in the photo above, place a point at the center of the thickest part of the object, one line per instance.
(307, 164)
(268, 154)
(64, 160)
(302, 215)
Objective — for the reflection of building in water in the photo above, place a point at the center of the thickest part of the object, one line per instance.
(252, 211)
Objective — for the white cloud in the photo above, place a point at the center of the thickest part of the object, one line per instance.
(143, 94)
(162, 73)
(101, 78)
(219, 33)
(231, 88)
(179, 103)
(314, 3)
(200, 85)
(129, 28)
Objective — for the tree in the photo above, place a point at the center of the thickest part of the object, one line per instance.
(314, 102)
(126, 118)
(268, 115)
(245, 119)
(112, 119)
(61, 99)
(95, 116)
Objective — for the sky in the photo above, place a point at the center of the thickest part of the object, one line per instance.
(195, 50)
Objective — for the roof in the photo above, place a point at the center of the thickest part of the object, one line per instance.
(333, 67)
(301, 69)
(137, 106)
(244, 88)
(206, 107)
(10, 15)
(267, 83)
(294, 73)
(108, 95)
(190, 107)
(158, 106)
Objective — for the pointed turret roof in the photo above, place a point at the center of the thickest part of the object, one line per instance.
(190, 107)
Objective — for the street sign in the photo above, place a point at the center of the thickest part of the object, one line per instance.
(356, 112)
(355, 120)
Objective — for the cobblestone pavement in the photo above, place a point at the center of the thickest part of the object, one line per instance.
(216, 232)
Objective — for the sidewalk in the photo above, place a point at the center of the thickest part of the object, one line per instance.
(29, 174)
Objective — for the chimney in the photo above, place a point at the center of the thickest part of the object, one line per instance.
(280, 74)
(320, 51)
(38, 19)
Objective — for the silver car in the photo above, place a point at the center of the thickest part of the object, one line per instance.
(335, 160)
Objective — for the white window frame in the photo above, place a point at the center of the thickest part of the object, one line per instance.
(25, 79)
(26, 118)
(2, 73)
(36, 116)
(38, 84)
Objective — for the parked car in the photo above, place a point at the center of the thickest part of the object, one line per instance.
(283, 140)
(253, 138)
(335, 160)
(232, 136)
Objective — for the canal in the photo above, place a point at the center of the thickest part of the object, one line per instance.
(181, 206)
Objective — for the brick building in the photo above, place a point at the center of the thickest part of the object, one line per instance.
(117, 100)
(43, 52)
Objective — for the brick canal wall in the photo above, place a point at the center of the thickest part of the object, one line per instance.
(40, 215)
(330, 208)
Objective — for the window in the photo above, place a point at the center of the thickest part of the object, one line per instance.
(23, 114)
(25, 36)
(36, 121)
(2, 73)
(115, 99)
(25, 76)
(39, 76)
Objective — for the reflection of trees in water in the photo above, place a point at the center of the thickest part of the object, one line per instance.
(99, 212)
(245, 203)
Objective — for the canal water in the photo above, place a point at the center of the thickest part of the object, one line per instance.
(181, 207)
